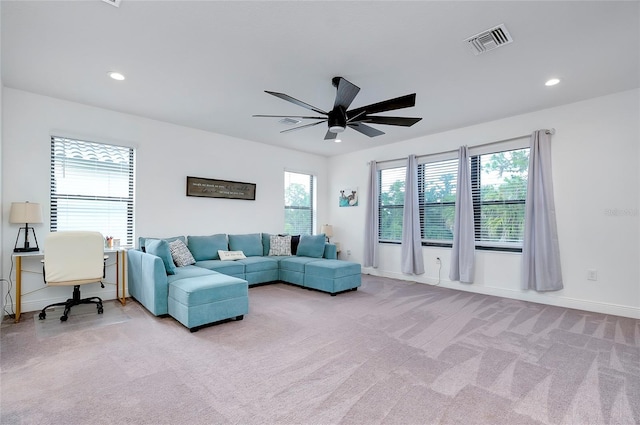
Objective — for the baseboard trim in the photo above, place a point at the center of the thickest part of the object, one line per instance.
(547, 298)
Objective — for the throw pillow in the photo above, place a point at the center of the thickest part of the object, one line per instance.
(295, 240)
(311, 246)
(160, 248)
(280, 245)
(181, 254)
(231, 255)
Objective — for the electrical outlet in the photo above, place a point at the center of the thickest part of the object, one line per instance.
(592, 274)
(348, 252)
(438, 260)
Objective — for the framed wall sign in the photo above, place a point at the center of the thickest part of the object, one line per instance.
(211, 188)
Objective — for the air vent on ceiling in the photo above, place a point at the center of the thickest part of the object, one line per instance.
(115, 3)
(489, 39)
(289, 121)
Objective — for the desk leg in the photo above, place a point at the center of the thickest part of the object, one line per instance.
(18, 287)
(120, 269)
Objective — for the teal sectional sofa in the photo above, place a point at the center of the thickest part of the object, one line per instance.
(211, 289)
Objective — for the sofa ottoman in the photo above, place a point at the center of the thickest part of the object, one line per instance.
(198, 301)
(332, 276)
(292, 269)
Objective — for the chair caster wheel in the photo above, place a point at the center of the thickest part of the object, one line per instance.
(63, 318)
(42, 316)
(100, 310)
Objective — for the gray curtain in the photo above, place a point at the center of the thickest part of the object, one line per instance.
(540, 249)
(371, 220)
(463, 251)
(412, 261)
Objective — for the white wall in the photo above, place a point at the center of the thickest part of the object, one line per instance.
(3, 287)
(595, 169)
(165, 155)
(595, 152)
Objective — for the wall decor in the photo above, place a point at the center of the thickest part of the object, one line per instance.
(348, 197)
(211, 188)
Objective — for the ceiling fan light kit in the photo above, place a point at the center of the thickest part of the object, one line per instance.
(340, 117)
(337, 120)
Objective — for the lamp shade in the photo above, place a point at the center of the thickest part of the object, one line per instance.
(327, 229)
(25, 212)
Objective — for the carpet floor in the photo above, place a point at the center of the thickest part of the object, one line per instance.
(84, 318)
(393, 352)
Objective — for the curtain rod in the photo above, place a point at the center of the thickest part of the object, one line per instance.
(548, 131)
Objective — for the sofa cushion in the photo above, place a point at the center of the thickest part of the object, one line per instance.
(311, 246)
(180, 253)
(266, 244)
(231, 268)
(188, 272)
(142, 242)
(296, 264)
(160, 248)
(206, 289)
(332, 268)
(258, 264)
(279, 245)
(249, 244)
(206, 247)
(330, 251)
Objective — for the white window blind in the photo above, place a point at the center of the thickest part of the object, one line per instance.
(437, 188)
(499, 190)
(298, 203)
(92, 188)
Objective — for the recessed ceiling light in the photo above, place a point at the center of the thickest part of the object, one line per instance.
(337, 140)
(552, 82)
(116, 76)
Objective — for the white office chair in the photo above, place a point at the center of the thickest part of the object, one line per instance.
(73, 258)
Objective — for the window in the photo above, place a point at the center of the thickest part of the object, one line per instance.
(437, 189)
(499, 188)
(92, 188)
(391, 203)
(299, 203)
(437, 195)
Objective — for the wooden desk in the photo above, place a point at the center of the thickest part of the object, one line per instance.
(120, 277)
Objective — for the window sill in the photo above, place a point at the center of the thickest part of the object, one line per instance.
(449, 245)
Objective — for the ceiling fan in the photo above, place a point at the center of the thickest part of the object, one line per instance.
(339, 118)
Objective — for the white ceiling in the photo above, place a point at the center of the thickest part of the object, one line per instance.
(206, 64)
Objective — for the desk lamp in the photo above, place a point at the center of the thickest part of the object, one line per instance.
(327, 229)
(25, 212)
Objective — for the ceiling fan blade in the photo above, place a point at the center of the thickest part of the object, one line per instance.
(290, 116)
(330, 135)
(302, 126)
(296, 101)
(346, 92)
(365, 129)
(386, 105)
(402, 121)
(355, 117)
